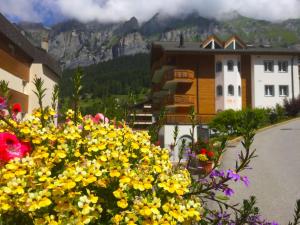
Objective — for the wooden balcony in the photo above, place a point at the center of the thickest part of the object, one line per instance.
(185, 119)
(175, 76)
(180, 75)
(174, 101)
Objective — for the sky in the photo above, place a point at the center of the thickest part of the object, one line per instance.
(53, 11)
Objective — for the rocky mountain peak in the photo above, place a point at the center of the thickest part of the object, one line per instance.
(75, 43)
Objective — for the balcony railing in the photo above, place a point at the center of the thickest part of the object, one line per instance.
(180, 100)
(178, 74)
(185, 119)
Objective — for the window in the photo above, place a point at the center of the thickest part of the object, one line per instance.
(239, 66)
(283, 66)
(230, 65)
(239, 90)
(283, 90)
(219, 90)
(269, 66)
(269, 90)
(230, 90)
(219, 66)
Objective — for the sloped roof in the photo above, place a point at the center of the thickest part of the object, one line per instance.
(194, 47)
(212, 38)
(37, 55)
(234, 37)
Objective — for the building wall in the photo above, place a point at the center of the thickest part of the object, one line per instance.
(49, 78)
(226, 78)
(246, 81)
(14, 68)
(166, 138)
(13, 60)
(260, 78)
(206, 85)
(219, 81)
(19, 89)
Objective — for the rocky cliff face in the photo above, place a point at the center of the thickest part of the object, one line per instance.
(74, 43)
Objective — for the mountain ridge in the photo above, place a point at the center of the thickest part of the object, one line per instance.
(74, 43)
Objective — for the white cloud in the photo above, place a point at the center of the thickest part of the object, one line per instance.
(119, 10)
(21, 9)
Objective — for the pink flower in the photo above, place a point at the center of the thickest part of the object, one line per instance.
(11, 147)
(100, 117)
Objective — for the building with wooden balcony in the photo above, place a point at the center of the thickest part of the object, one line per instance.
(215, 75)
(141, 116)
(21, 62)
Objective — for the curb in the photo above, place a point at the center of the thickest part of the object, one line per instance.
(238, 139)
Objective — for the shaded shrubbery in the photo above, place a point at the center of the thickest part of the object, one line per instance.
(292, 106)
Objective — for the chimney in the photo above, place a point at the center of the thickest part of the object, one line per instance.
(181, 41)
(45, 44)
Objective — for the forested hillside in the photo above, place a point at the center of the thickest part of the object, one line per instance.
(115, 77)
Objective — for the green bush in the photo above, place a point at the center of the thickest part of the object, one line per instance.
(262, 116)
(231, 122)
(225, 122)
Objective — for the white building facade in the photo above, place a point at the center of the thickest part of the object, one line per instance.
(228, 82)
(274, 78)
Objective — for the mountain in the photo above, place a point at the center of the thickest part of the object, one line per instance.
(74, 43)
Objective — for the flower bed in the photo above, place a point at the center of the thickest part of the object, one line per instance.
(89, 173)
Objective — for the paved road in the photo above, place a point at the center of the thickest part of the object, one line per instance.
(275, 177)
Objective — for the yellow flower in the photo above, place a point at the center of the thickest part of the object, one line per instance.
(72, 165)
(44, 202)
(202, 157)
(122, 203)
(114, 173)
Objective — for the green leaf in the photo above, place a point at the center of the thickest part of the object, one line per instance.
(222, 197)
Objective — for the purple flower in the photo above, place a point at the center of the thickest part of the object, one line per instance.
(192, 155)
(228, 192)
(245, 180)
(272, 223)
(232, 175)
(217, 173)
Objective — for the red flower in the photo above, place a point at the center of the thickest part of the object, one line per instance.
(16, 108)
(2, 100)
(210, 154)
(2, 103)
(157, 143)
(203, 151)
(11, 147)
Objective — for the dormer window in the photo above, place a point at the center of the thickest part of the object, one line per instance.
(234, 43)
(212, 42)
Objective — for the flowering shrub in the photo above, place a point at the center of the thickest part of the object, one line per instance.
(89, 170)
(206, 155)
(89, 173)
